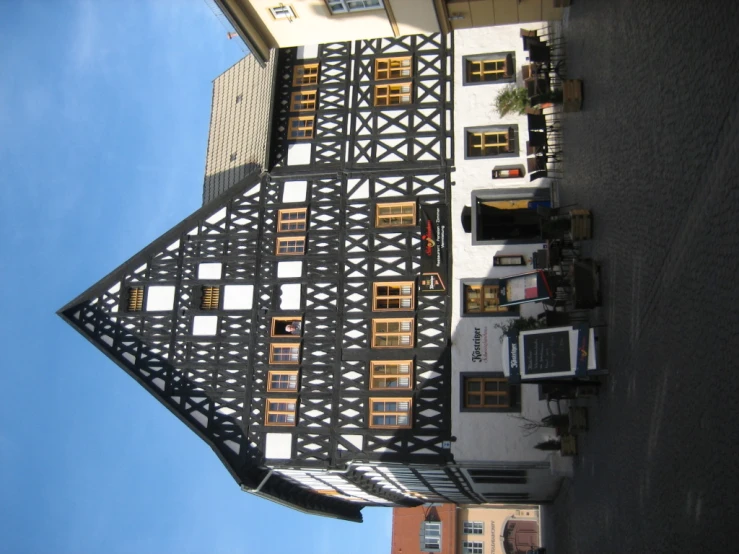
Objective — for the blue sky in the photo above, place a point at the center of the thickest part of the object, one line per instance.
(104, 109)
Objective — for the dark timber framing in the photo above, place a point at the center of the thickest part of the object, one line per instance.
(360, 155)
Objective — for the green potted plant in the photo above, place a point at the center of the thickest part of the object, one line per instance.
(511, 99)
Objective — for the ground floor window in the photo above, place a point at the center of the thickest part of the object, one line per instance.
(488, 392)
(472, 527)
(472, 547)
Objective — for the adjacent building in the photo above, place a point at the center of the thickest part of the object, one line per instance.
(267, 24)
(481, 529)
(316, 321)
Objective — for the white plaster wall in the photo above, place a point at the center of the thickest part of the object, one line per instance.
(485, 436)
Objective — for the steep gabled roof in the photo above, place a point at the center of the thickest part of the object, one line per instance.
(150, 345)
(240, 118)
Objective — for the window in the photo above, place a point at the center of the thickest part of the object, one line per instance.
(488, 142)
(211, 298)
(300, 128)
(303, 101)
(284, 353)
(393, 296)
(431, 536)
(388, 333)
(346, 6)
(135, 299)
(290, 246)
(469, 547)
(280, 412)
(472, 528)
(400, 214)
(282, 381)
(305, 75)
(498, 477)
(391, 374)
(286, 326)
(390, 413)
(292, 220)
(392, 95)
(508, 260)
(487, 68)
(481, 298)
(392, 68)
(282, 12)
(486, 393)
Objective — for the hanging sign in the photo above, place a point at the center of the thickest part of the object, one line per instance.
(434, 249)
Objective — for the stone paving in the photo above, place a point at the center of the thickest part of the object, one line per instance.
(655, 155)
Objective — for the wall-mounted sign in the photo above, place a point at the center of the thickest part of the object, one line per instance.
(432, 283)
(523, 288)
(434, 247)
(548, 353)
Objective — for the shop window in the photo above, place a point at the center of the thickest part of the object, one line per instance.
(392, 333)
(399, 214)
(489, 68)
(488, 392)
(390, 413)
(280, 412)
(488, 142)
(348, 6)
(278, 381)
(482, 298)
(392, 68)
(305, 75)
(303, 101)
(284, 353)
(391, 374)
(290, 246)
(292, 220)
(301, 128)
(393, 95)
(211, 298)
(393, 296)
(135, 299)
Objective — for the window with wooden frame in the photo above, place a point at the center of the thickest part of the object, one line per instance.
(306, 74)
(392, 333)
(290, 246)
(395, 374)
(487, 68)
(292, 220)
(481, 298)
(303, 101)
(483, 143)
(280, 326)
(398, 214)
(392, 68)
(504, 260)
(280, 411)
(211, 298)
(135, 299)
(393, 95)
(392, 296)
(301, 127)
(390, 413)
(278, 381)
(485, 393)
(288, 353)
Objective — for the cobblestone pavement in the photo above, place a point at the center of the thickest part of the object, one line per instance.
(655, 155)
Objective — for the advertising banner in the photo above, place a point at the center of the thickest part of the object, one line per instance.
(434, 249)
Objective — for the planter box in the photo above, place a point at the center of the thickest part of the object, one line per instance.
(578, 420)
(568, 445)
(572, 95)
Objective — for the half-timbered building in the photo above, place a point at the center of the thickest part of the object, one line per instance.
(300, 322)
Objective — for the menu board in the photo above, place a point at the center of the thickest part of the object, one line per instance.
(527, 287)
(547, 352)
